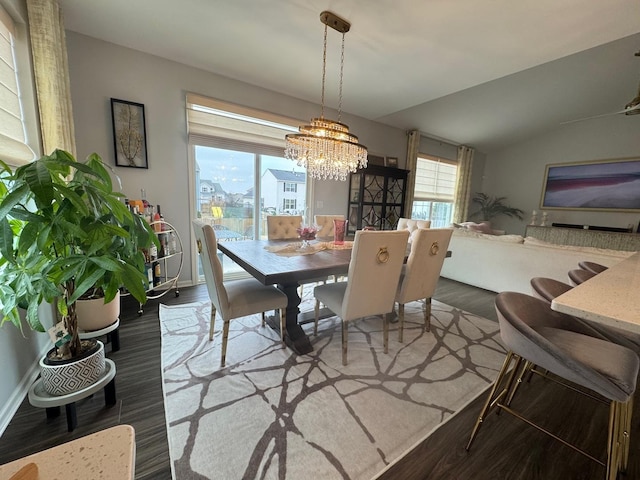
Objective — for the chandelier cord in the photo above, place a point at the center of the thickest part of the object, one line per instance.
(324, 71)
(341, 75)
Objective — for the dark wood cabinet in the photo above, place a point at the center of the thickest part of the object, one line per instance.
(376, 198)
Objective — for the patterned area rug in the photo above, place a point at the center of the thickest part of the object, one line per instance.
(270, 414)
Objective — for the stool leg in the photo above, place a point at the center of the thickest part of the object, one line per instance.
(53, 412)
(110, 393)
(72, 418)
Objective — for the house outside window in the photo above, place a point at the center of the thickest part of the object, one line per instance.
(290, 187)
(288, 204)
(434, 190)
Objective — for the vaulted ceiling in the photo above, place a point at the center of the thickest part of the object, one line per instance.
(483, 73)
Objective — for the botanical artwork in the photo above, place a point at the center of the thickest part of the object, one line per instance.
(602, 185)
(129, 135)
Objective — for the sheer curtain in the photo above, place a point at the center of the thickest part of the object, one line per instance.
(413, 144)
(51, 69)
(463, 185)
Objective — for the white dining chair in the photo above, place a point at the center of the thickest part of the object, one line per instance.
(283, 227)
(420, 275)
(235, 298)
(412, 225)
(374, 271)
(325, 224)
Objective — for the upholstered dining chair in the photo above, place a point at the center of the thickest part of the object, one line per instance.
(372, 281)
(325, 223)
(283, 227)
(578, 276)
(235, 298)
(420, 275)
(592, 266)
(412, 225)
(533, 334)
(549, 288)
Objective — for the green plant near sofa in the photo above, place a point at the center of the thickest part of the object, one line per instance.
(64, 232)
(490, 207)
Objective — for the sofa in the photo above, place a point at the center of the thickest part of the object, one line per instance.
(508, 262)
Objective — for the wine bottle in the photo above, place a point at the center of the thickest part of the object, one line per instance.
(157, 272)
(153, 252)
(157, 227)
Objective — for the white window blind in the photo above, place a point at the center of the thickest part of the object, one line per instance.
(236, 127)
(13, 147)
(435, 179)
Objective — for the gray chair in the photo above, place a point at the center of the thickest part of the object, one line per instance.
(419, 277)
(592, 266)
(534, 334)
(236, 298)
(374, 272)
(578, 276)
(548, 288)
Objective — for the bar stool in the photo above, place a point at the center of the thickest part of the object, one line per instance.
(578, 276)
(592, 267)
(529, 330)
(548, 288)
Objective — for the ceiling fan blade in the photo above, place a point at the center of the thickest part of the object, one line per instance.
(635, 109)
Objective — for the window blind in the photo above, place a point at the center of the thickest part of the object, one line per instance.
(13, 147)
(212, 122)
(435, 179)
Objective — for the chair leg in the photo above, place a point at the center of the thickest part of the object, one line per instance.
(626, 434)
(212, 322)
(427, 315)
(263, 319)
(317, 312)
(282, 323)
(344, 342)
(225, 337)
(400, 322)
(385, 332)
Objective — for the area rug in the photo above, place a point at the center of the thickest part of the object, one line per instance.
(271, 414)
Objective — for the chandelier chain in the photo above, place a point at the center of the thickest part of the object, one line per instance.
(341, 76)
(324, 71)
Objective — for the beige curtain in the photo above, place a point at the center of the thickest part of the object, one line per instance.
(413, 144)
(463, 184)
(51, 69)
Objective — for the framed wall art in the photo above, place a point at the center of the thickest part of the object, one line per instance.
(597, 185)
(129, 134)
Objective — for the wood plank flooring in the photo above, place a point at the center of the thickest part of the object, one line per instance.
(505, 448)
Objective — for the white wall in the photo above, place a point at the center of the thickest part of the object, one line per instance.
(518, 172)
(101, 70)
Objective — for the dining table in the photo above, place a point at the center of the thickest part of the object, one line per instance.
(611, 298)
(288, 269)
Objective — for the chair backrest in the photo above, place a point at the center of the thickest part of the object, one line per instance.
(374, 271)
(578, 276)
(412, 225)
(421, 274)
(592, 266)
(529, 328)
(325, 224)
(211, 265)
(283, 227)
(548, 288)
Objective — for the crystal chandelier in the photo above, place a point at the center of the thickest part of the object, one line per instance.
(326, 148)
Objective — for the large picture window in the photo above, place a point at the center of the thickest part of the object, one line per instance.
(434, 190)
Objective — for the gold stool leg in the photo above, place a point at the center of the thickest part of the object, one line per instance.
(626, 434)
(225, 337)
(212, 322)
(613, 441)
(282, 323)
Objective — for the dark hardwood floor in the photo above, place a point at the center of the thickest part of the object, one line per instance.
(505, 448)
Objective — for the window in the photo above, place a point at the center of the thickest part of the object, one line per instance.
(290, 187)
(288, 204)
(434, 190)
(13, 138)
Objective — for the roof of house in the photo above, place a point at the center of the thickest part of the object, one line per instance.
(288, 175)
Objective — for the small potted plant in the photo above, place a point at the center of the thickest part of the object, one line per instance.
(64, 231)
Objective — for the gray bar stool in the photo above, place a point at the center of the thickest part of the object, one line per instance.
(530, 331)
(578, 276)
(592, 267)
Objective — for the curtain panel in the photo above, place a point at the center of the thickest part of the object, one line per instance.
(463, 184)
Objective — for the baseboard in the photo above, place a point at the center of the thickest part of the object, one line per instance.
(11, 407)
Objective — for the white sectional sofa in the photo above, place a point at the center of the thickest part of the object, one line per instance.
(508, 262)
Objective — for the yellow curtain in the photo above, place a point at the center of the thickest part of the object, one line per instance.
(413, 144)
(463, 184)
(50, 64)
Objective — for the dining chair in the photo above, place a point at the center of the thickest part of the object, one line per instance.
(419, 277)
(592, 266)
(549, 288)
(235, 298)
(325, 223)
(283, 227)
(411, 225)
(532, 334)
(372, 282)
(578, 276)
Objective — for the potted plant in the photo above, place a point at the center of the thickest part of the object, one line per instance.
(490, 207)
(64, 232)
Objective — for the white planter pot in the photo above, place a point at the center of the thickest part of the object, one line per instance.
(73, 375)
(95, 315)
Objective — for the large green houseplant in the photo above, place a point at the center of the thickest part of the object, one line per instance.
(490, 207)
(64, 231)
